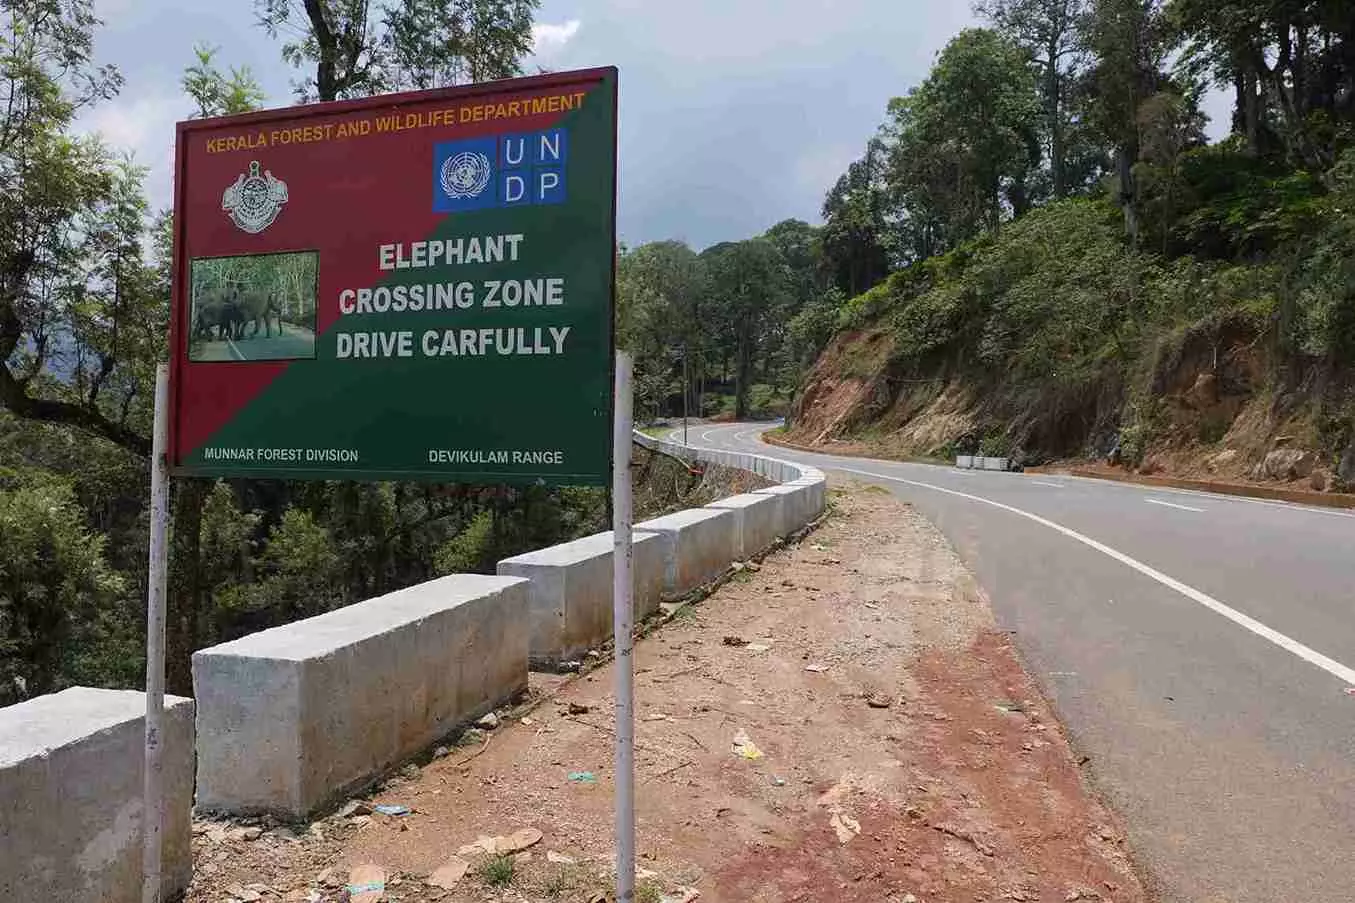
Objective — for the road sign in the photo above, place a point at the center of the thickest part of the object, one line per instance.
(411, 286)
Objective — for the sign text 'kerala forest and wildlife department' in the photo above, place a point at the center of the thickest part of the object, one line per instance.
(415, 286)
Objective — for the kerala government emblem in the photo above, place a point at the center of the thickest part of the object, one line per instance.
(254, 201)
(465, 175)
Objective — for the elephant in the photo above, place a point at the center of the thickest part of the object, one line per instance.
(220, 312)
(258, 306)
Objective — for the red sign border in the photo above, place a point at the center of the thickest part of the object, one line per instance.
(178, 283)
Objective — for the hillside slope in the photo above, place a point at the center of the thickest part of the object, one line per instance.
(1056, 340)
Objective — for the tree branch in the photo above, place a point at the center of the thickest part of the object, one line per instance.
(13, 397)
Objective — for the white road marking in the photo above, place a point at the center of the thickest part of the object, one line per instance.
(1174, 505)
(1302, 509)
(1051, 485)
(1217, 497)
(1290, 645)
(705, 437)
(239, 355)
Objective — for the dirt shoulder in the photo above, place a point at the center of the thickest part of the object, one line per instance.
(844, 723)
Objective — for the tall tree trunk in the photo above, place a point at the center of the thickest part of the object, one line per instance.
(326, 68)
(1054, 109)
(741, 366)
(1252, 111)
(1128, 195)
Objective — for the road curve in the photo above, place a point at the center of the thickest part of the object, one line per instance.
(1198, 647)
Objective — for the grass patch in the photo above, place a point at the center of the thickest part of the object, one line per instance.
(685, 613)
(563, 881)
(648, 892)
(496, 871)
(655, 432)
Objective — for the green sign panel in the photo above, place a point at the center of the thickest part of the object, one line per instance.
(414, 286)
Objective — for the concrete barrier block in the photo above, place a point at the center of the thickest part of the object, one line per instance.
(817, 489)
(797, 505)
(698, 544)
(757, 518)
(291, 718)
(569, 608)
(71, 778)
(772, 470)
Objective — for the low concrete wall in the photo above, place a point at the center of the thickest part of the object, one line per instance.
(797, 506)
(758, 521)
(803, 489)
(570, 593)
(290, 718)
(71, 783)
(698, 544)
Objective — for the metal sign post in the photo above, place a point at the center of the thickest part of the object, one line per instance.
(152, 810)
(623, 627)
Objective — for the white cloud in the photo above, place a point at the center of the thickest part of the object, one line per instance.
(144, 127)
(548, 37)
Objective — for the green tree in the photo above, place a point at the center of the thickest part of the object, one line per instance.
(337, 37)
(220, 93)
(964, 144)
(54, 584)
(748, 279)
(64, 197)
(1130, 39)
(1168, 125)
(297, 577)
(812, 328)
(358, 49)
(664, 320)
(1286, 61)
(801, 248)
(433, 43)
(1051, 33)
(855, 236)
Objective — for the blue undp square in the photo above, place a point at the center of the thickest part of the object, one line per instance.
(548, 185)
(464, 175)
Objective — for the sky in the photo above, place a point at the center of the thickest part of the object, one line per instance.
(735, 114)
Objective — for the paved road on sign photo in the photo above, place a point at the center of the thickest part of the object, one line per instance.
(294, 342)
(1198, 647)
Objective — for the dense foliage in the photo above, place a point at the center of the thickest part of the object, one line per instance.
(1069, 287)
(84, 304)
(729, 330)
(1040, 218)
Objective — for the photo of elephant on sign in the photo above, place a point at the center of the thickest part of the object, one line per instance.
(256, 308)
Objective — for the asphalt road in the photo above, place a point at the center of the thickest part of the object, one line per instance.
(291, 343)
(1198, 647)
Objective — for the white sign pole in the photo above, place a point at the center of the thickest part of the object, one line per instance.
(623, 627)
(152, 811)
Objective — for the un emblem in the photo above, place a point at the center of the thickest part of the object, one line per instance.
(254, 200)
(465, 175)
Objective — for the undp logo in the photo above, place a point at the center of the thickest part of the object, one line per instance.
(502, 171)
